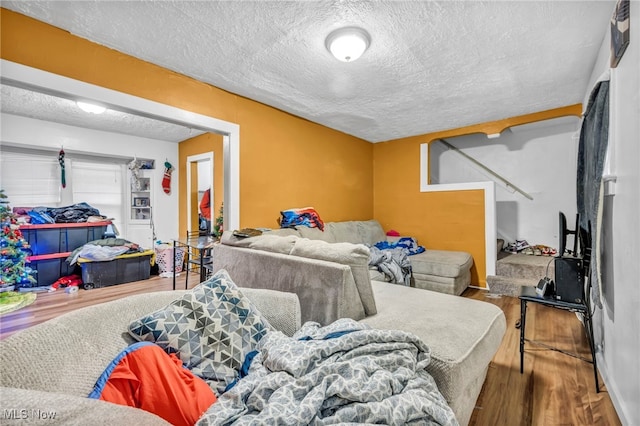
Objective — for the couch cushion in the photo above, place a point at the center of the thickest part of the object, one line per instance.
(316, 234)
(267, 242)
(356, 256)
(357, 232)
(283, 232)
(375, 275)
(441, 263)
(463, 334)
(446, 285)
(371, 232)
(211, 328)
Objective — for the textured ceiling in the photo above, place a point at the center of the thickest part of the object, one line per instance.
(432, 65)
(25, 103)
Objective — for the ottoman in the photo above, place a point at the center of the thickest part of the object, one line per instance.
(443, 271)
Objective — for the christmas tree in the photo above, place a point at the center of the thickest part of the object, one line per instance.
(13, 251)
(218, 225)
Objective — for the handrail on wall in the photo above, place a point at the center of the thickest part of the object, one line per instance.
(485, 168)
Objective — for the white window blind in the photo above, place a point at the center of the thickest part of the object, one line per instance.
(30, 180)
(101, 186)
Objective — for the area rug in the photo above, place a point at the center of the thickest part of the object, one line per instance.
(12, 301)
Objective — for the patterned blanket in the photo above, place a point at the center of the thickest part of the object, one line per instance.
(341, 373)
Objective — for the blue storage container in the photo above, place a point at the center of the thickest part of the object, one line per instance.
(61, 237)
(50, 270)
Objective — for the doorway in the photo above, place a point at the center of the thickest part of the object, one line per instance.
(18, 75)
(201, 193)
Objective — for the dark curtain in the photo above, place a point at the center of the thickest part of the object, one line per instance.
(592, 151)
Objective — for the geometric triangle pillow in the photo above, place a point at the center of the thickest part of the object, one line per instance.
(210, 328)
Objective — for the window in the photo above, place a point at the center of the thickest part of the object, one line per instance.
(30, 180)
(101, 186)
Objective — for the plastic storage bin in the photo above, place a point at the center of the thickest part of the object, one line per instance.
(61, 237)
(49, 270)
(118, 271)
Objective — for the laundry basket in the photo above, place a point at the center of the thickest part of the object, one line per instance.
(164, 258)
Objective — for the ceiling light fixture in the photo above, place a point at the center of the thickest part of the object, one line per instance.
(91, 108)
(348, 44)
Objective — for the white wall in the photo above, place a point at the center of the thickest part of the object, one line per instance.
(29, 133)
(617, 324)
(540, 159)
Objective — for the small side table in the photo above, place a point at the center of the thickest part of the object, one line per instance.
(198, 243)
(529, 295)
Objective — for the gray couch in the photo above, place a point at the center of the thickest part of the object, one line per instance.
(332, 281)
(50, 368)
(444, 271)
(47, 371)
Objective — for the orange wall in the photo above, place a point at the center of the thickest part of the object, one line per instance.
(452, 220)
(285, 161)
(296, 163)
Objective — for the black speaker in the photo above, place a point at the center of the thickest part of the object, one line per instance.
(569, 279)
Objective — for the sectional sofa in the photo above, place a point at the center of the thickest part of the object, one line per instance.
(444, 271)
(47, 371)
(332, 280)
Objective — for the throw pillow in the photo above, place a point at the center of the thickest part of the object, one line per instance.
(211, 328)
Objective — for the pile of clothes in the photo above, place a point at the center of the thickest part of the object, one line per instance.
(392, 258)
(104, 250)
(76, 213)
(306, 216)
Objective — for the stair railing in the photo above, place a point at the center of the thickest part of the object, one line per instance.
(506, 182)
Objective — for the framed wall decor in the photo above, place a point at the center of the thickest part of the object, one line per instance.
(619, 31)
(141, 202)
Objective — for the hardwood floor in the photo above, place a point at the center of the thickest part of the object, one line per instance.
(555, 389)
(51, 305)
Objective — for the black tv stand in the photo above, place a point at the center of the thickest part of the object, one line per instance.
(529, 295)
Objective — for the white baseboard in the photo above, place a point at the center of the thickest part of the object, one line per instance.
(612, 390)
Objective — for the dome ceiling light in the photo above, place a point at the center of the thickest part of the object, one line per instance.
(348, 44)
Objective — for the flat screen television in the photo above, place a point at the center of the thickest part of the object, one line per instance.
(564, 232)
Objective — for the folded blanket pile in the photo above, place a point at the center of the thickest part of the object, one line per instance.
(342, 373)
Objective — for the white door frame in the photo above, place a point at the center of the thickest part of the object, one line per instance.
(207, 156)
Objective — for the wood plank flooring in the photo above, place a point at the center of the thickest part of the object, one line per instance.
(555, 389)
